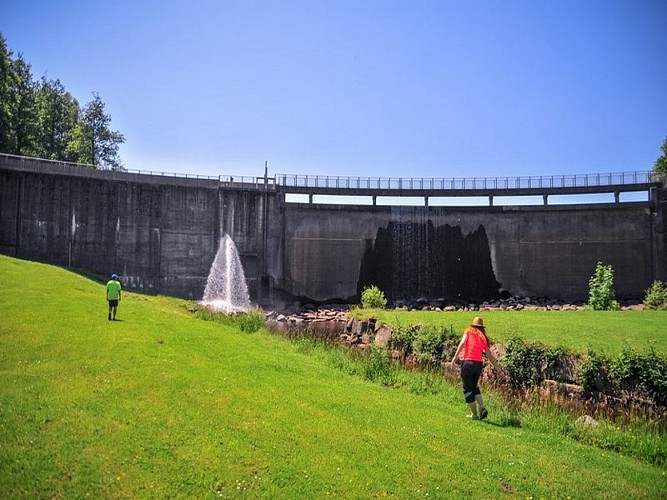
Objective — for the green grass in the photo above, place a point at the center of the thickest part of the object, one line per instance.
(576, 331)
(163, 404)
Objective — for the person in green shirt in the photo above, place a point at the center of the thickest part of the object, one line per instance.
(113, 295)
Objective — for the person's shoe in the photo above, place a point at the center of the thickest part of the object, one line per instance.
(473, 417)
(483, 414)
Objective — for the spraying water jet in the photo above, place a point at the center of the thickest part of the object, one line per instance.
(226, 288)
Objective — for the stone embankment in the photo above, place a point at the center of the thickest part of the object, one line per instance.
(510, 303)
(298, 314)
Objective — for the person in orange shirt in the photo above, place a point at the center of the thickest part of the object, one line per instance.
(474, 345)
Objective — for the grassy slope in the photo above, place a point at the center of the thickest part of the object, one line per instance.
(161, 404)
(607, 331)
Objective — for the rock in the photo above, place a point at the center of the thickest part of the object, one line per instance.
(587, 421)
(382, 336)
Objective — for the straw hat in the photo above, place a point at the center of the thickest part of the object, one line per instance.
(477, 322)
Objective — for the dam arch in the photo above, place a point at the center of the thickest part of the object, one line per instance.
(160, 234)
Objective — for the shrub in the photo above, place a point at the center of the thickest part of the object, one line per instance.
(656, 295)
(529, 364)
(601, 295)
(402, 338)
(430, 342)
(593, 372)
(373, 298)
(645, 374)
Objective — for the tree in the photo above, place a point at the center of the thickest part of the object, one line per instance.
(43, 119)
(6, 84)
(660, 165)
(57, 114)
(22, 108)
(92, 141)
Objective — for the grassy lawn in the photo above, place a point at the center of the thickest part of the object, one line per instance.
(577, 331)
(161, 404)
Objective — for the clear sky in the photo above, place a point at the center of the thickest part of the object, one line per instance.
(418, 88)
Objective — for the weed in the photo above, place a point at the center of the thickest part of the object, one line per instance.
(251, 321)
(601, 295)
(379, 367)
(656, 295)
(373, 298)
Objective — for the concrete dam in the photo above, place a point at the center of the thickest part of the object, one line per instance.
(160, 233)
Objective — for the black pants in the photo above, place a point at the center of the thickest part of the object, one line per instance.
(470, 373)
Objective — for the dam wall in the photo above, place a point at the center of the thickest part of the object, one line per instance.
(470, 253)
(161, 233)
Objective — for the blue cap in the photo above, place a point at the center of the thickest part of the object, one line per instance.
(114, 276)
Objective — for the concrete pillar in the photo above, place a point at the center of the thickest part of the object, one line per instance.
(490, 200)
(545, 197)
(617, 197)
(653, 197)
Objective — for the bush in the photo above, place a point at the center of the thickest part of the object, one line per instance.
(529, 364)
(430, 341)
(656, 295)
(601, 295)
(428, 344)
(643, 375)
(373, 298)
(402, 338)
(593, 370)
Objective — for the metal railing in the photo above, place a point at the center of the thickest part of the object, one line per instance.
(390, 183)
(464, 183)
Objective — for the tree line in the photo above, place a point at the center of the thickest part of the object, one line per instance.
(43, 120)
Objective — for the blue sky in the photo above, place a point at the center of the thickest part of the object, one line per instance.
(363, 88)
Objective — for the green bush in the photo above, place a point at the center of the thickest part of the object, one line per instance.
(656, 295)
(402, 338)
(645, 374)
(373, 298)
(601, 295)
(430, 341)
(593, 370)
(530, 363)
(642, 374)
